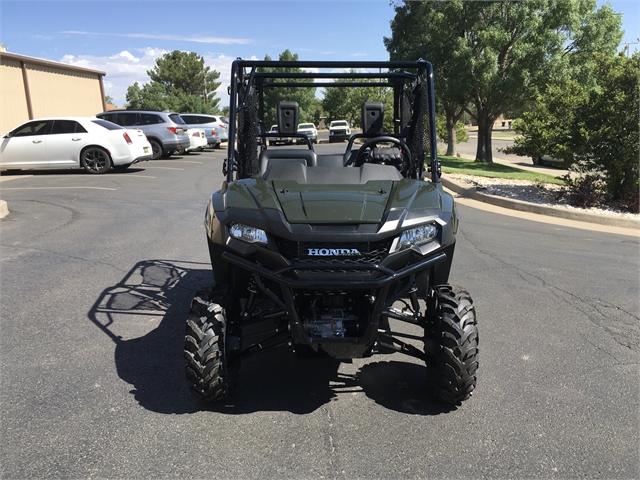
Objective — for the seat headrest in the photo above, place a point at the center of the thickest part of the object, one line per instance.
(372, 118)
(288, 117)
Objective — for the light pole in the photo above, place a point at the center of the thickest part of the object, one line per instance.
(627, 44)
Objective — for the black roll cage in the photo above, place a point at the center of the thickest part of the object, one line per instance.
(395, 76)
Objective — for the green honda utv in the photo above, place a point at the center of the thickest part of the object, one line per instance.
(331, 253)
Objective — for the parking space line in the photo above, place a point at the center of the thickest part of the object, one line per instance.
(183, 161)
(130, 176)
(166, 168)
(57, 188)
(4, 178)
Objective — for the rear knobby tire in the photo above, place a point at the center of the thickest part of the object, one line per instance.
(452, 360)
(212, 344)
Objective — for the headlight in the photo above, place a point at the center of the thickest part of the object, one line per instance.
(247, 234)
(415, 237)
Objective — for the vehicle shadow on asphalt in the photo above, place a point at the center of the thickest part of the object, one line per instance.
(152, 291)
(152, 360)
(401, 386)
(280, 381)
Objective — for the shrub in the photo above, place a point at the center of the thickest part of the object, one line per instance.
(584, 191)
(631, 200)
(443, 135)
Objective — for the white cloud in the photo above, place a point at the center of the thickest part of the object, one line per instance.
(180, 38)
(125, 56)
(221, 64)
(125, 68)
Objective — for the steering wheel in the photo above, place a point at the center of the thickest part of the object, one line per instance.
(361, 157)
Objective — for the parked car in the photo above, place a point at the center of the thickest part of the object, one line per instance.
(198, 140)
(223, 123)
(308, 129)
(216, 127)
(73, 142)
(339, 131)
(549, 161)
(165, 130)
(277, 140)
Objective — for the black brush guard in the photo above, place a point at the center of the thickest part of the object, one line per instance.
(386, 278)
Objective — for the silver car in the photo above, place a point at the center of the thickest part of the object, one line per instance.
(216, 128)
(166, 131)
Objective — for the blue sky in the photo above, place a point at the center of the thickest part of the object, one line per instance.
(123, 38)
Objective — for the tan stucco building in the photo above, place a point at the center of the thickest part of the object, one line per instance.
(35, 88)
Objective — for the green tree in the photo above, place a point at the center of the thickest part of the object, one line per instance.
(604, 133)
(304, 96)
(503, 53)
(345, 103)
(150, 96)
(595, 124)
(336, 104)
(442, 130)
(432, 36)
(185, 72)
(179, 82)
(544, 130)
(316, 111)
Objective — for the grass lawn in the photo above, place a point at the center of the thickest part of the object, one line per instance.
(464, 166)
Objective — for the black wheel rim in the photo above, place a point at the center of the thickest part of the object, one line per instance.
(95, 160)
(155, 149)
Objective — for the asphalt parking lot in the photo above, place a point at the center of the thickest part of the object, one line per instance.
(97, 272)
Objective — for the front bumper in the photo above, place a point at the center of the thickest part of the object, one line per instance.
(282, 276)
(339, 135)
(310, 136)
(385, 287)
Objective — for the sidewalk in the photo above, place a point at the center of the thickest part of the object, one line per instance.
(526, 164)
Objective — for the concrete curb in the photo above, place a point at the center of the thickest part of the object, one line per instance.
(560, 212)
(4, 210)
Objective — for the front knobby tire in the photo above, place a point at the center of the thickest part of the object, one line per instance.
(452, 335)
(212, 344)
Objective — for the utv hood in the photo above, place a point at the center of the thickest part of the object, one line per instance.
(334, 204)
